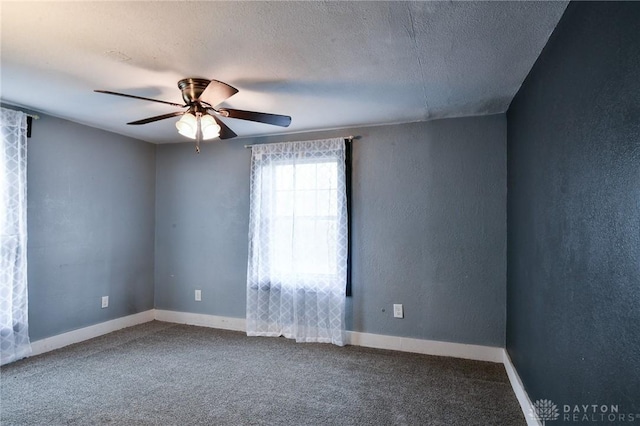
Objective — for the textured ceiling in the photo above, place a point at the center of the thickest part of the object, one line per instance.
(327, 64)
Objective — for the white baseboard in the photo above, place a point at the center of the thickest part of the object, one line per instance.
(518, 389)
(204, 320)
(65, 339)
(427, 347)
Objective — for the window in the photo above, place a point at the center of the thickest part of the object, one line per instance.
(305, 219)
(298, 241)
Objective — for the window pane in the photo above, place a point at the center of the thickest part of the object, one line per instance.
(327, 175)
(284, 177)
(284, 203)
(305, 176)
(305, 203)
(323, 200)
(282, 247)
(314, 248)
(333, 202)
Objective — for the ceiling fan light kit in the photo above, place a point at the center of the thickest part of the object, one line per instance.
(200, 121)
(195, 121)
(188, 126)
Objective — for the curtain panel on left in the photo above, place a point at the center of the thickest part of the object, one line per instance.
(14, 330)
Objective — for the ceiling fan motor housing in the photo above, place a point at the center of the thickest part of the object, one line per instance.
(192, 89)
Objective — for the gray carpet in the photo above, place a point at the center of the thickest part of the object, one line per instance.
(167, 374)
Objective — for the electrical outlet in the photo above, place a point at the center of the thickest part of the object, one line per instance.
(198, 295)
(398, 312)
(105, 301)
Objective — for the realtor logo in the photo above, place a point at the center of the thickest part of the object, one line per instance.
(544, 410)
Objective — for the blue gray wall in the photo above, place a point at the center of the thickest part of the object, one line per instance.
(91, 212)
(428, 227)
(202, 223)
(574, 213)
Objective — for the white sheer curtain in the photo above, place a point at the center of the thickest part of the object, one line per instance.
(297, 269)
(14, 332)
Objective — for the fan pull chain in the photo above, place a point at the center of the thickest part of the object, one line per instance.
(198, 131)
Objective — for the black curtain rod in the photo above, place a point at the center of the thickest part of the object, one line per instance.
(349, 138)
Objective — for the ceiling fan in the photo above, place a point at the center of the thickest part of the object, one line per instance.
(200, 121)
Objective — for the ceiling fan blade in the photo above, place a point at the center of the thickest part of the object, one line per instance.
(216, 92)
(157, 118)
(138, 97)
(225, 132)
(260, 117)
